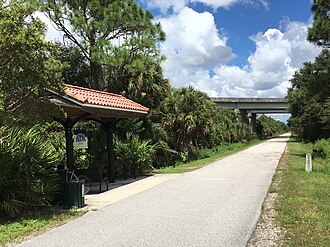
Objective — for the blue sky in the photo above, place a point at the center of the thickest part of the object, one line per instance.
(234, 48)
(241, 21)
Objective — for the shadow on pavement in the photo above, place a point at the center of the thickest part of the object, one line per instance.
(95, 189)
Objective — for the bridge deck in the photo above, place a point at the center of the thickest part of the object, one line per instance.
(254, 105)
(251, 100)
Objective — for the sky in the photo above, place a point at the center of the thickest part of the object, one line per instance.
(234, 48)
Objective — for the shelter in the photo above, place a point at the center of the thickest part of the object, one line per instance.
(88, 104)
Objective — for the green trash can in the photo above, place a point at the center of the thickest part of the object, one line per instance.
(73, 194)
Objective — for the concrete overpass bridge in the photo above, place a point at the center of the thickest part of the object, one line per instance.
(248, 108)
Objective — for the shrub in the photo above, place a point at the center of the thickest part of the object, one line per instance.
(322, 148)
(200, 153)
(134, 153)
(26, 176)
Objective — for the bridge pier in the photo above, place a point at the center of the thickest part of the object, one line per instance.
(253, 122)
(245, 117)
(242, 116)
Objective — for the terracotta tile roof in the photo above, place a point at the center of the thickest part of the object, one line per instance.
(95, 97)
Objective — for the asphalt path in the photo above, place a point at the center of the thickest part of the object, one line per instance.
(217, 205)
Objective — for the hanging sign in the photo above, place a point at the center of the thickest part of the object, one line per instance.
(80, 139)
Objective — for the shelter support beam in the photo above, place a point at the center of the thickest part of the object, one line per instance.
(69, 147)
(68, 124)
(109, 124)
(111, 156)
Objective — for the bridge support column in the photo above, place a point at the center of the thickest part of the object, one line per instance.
(252, 122)
(237, 114)
(242, 116)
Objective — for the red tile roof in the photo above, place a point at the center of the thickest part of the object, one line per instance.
(95, 97)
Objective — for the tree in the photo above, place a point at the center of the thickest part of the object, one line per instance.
(118, 41)
(27, 62)
(310, 92)
(319, 33)
(309, 99)
(75, 71)
(138, 77)
(267, 127)
(188, 115)
(228, 130)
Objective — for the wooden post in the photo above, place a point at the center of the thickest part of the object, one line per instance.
(108, 125)
(111, 155)
(69, 147)
(68, 124)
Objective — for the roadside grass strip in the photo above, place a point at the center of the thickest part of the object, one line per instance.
(32, 224)
(214, 155)
(303, 203)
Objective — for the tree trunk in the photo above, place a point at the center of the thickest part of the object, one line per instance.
(96, 75)
(95, 66)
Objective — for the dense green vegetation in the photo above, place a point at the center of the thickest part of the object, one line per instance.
(28, 63)
(309, 94)
(309, 99)
(26, 177)
(267, 126)
(191, 121)
(319, 33)
(303, 203)
(207, 156)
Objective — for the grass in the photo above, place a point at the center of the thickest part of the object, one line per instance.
(33, 223)
(214, 154)
(303, 203)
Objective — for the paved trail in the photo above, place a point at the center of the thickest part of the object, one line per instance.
(217, 205)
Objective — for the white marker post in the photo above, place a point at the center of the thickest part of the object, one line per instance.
(308, 163)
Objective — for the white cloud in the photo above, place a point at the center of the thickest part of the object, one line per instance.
(302, 50)
(164, 6)
(215, 4)
(193, 44)
(263, 3)
(278, 55)
(177, 5)
(194, 47)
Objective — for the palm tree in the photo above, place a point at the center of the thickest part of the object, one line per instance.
(188, 115)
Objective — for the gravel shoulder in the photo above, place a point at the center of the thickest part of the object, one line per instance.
(267, 232)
